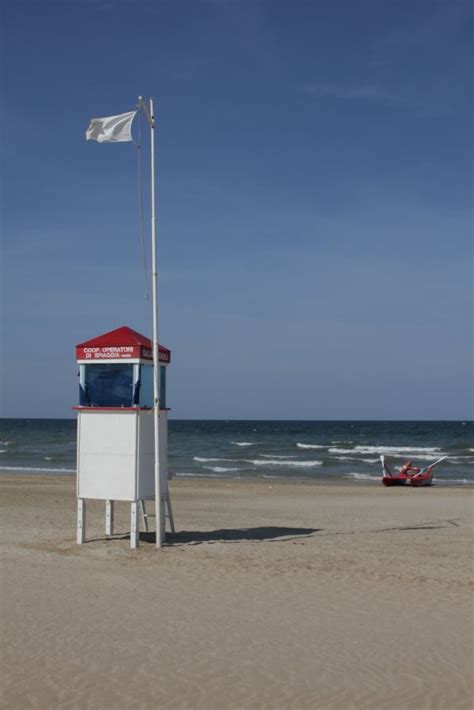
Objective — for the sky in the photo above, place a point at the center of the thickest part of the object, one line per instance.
(314, 201)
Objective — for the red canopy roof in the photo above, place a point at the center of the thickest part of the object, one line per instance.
(120, 344)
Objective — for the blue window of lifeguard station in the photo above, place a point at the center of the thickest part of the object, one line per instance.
(146, 388)
(162, 387)
(107, 385)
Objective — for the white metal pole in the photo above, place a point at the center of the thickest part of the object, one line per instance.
(134, 526)
(156, 355)
(81, 521)
(109, 517)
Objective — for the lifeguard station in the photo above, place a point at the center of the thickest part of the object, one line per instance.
(115, 435)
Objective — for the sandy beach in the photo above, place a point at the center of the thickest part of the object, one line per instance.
(270, 596)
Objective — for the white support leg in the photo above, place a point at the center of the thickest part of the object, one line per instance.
(134, 526)
(109, 517)
(144, 515)
(163, 518)
(170, 513)
(81, 521)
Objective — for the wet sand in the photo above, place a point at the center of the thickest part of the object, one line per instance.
(271, 596)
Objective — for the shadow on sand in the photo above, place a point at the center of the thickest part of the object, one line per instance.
(260, 534)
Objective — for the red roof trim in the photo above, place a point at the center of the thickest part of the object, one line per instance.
(123, 343)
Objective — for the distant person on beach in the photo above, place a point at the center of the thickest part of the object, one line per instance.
(408, 468)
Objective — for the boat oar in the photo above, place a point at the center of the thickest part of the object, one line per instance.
(385, 468)
(432, 465)
(438, 461)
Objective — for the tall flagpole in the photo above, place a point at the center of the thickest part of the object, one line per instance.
(159, 507)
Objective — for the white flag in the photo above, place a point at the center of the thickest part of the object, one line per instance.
(111, 129)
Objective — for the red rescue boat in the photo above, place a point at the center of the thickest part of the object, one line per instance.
(413, 475)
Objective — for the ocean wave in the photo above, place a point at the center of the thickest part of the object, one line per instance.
(335, 450)
(279, 462)
(370, 461)
(351, 458)
(389, 450)
(3, 451)
(408, 449)
(311, 446)
(203, 475)
(202, 459)
(221, 469)
(348, 458)
(361, 476)
(277, 456)
(243, 443)
(37, 469)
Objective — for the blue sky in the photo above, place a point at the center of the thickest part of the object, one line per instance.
(314, 176)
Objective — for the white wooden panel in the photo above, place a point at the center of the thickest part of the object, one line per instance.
(146, 477)
(78, 453)
(164, 444)
(146, 432)
(107, 477)
(146, 455)
(108, 432)
(107, 455)
(116, 454)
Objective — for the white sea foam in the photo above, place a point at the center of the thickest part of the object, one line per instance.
(201, 459)
(3, 451)
(200, 475)
(280, 462)
(38, 469)
(361, 476)
(243, 443)
(335, 450)
(452, 481)
(221, 469)
(408, 449)
(352, 458)
(277, 456)
(389, 450)
(311, 446)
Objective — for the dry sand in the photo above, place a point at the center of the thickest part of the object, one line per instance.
(279, 596)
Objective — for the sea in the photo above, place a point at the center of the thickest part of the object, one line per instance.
(322, 451)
